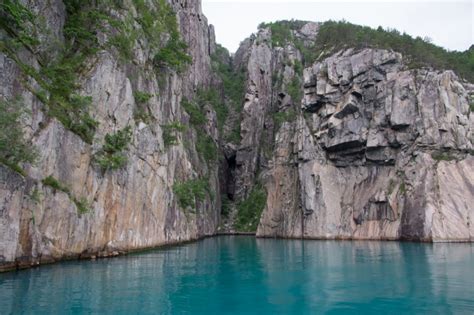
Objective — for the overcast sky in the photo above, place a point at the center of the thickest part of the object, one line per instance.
(447, 23)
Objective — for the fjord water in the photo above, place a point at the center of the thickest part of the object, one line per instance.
(244, 275)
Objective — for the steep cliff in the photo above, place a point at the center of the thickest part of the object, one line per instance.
(123, 184)
(375, 149)
(380, 153)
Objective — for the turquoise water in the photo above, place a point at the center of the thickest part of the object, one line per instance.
(243, 275)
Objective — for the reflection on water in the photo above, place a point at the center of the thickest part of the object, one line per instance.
(389, 277)
(264, 276)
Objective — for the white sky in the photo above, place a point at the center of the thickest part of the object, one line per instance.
(448, 23)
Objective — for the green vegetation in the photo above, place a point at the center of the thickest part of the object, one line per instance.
(35, 196)
(334, 36)
(212, 98)
(73, 113)
(170, 131)
(84, 19)
(81, 204)
(294, 90)
(124, 42)
(142, 97)
(154, 22)
(112, 155)
(55, 184)
(13, 147)
(19, 22)
(233, 80)
(234, 135)
(190, 192)
(233, 83)
(57, 77)
(282, 31)
(205, 145)
(225, 206)
(471, 107)
(442, 156)
(283, 34)
(298, 66)
(196, 115)
(14, 167)
(173, 56)
(280, 117)
(156, 18)
(158, 21)
(419, 52)
(250, 210)
(277, 79)
(141, 111)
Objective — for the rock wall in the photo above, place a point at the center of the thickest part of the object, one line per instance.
(373, 149)
(270, 70)
(131, 208)
(379, 151)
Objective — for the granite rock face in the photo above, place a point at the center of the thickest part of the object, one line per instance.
(130, 208)
(269, 73)
(355, 146)
(379, 152)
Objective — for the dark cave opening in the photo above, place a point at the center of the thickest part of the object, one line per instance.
(230, 177)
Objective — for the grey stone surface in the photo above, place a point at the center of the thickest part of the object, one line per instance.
(131, 208)
(367, 151)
